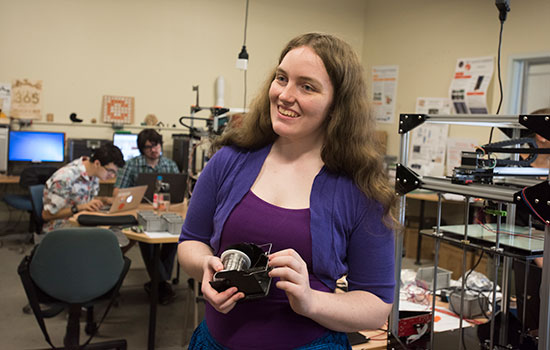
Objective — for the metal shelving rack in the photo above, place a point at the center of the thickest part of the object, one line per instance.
(407, 180)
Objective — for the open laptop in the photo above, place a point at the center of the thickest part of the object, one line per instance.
(178, 185)
(127, 199)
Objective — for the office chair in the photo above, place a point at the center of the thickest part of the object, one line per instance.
(37, 202)
(30, 176)
(77, 267)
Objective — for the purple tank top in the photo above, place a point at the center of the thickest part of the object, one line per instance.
(270, 322)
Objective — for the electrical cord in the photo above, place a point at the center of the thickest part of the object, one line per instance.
(499, 75)
(245, 23)
(244, 99)
(244, 49)
(498, 65)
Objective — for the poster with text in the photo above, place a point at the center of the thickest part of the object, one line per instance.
(468, 90)
(429, 141)
(455, 147)
(384, 91)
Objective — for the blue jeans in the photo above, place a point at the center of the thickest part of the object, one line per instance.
(202, 340)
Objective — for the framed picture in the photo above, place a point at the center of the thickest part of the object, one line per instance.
(118, 109)
(26, 99)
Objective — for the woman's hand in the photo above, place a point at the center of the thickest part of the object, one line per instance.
(224, 301)
(289, 266)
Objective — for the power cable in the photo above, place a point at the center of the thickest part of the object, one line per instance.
(243, 55)
(503, 7)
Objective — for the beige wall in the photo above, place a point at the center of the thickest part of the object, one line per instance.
(154, 50)
(425, 38)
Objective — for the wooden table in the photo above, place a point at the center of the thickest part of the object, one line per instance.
(180, 209)
(156, 242)
(9, 179)
(14, 179)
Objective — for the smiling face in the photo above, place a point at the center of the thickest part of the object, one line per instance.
(300, 96)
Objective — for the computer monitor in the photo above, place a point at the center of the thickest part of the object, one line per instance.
(127, 144)
(178, 185)
(36, 146)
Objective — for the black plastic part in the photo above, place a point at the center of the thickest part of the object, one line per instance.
(535, 200)
(539, 123)
(253, 282)
(408, 121)
(406, 180)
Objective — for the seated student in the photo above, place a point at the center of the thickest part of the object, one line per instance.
(151, 161)
(75, 186)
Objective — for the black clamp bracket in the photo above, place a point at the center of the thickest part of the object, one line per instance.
(539, 123)
(536, 200)
(406, 180)
(408, 121)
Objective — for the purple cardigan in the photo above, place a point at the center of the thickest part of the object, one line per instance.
(347, 232)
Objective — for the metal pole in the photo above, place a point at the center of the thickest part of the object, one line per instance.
(507, 262)
(496, 261)
(464, 256)
(394, 315)
(436, 262)
(505, 302)
(419, 238)
(524, 307)
(544, 317)
(544, 325)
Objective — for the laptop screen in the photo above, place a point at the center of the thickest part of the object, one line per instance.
(178, 185)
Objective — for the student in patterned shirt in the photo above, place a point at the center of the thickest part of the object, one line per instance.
(75, 186)
(151, 161)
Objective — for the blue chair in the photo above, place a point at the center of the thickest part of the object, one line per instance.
(29, 176)
(37, 203)
(77, 267)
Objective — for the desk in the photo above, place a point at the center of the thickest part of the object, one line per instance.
(14, 179)
(9, 179)
(141, 237)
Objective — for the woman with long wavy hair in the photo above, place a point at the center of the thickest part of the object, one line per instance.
(300, 171)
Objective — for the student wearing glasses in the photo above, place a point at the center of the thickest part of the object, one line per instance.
(151, 161)
(75, 186)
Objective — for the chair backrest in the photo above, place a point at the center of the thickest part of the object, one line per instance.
(37, 201)
(35, 175)
(77, 265)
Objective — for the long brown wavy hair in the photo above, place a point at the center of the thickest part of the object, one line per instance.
(350, 145)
